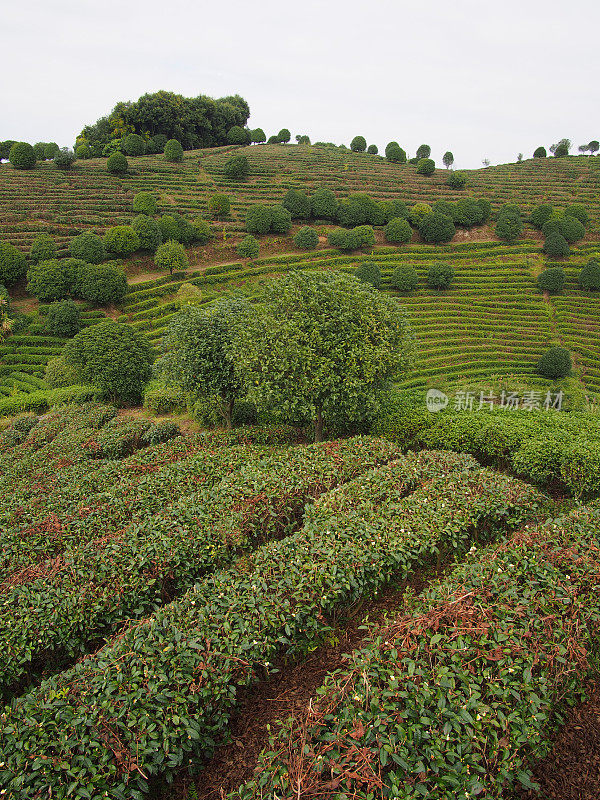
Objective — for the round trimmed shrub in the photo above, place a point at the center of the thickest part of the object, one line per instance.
(117, 164)
(540, 152)
(63, 318)
(456, 180)
(171, 255)
(555, 363)
(145, 203)
(284, 136)
(369, 272)
(486, 208)
(365, 234)
(358, 144)
(569, 228)
(43, 248)
(237, 135)
(393, 209)
(148, 231)
(259, 218)
(51, 150)
(281, 219)
(13, 264)
(248, 247)
(297, 203)
(423, 151)
(404, 279)
(88, 247)
(398, 231)
(83, 151)
(508, 226)
(551, 280)
(395, 154)
(59, 374)
(64, 159)
(556, 246)
(540, 215)
(372, 149)
(418, 212)
(39, 150)
(467, 213)
(589, 277)
(134, 145)
(48, 281)
(426, 166)
(121, 240)
(237, 168)
(578, 211)
(437, 228)
(200, 230)
(173, 151)
(22, 155)
(344, 240)
(257, 136)
(114, 357)
(219, 206)
(440, 276)
(102, 284)
(324, 204)
(306, 238)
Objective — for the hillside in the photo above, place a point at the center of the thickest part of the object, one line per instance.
(491, 324)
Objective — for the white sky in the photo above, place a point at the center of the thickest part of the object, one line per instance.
(481, 79)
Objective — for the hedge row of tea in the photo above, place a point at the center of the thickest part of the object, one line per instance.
(163, 690)
(455, 696)
(230, 500)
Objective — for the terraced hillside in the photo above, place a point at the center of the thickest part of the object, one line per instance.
(491, 322)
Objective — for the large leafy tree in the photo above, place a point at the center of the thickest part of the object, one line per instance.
(322, 345)
(199, 354)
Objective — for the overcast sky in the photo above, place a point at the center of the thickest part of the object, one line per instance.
(481, 79)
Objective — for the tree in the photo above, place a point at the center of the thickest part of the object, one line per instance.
(567, 226)
(51, 150)
(519, 158)
(117, 164)
(344, 240)
(22, 155)
(404, 279)
(281, 219)
(6, 322)
(148, 231)
(297, 203)
(358, 144)
(486, 208)
(121, 240)
(324, 204)
(540, 215)
(259, 218)
(134, 145)
(555, 363)
(173, 151)
(200, 230)
(248, 247)
(556, 246)
(369, 272)
(258, 136)
(418, 213)
(426, 166)
(437, 228)
(486, 162)
(63, 318)
(88, 247)
(508, 226)
(551, 280)
(392, 209)
(306, 238)
(322, 344)
(59, 374)
(302, 139)
(583, 148)
(199, 354)
(594, 146)
(440, 276)
(116, 358)
(398, 231)
(145, 203)
(237, 168)
(39, 148)
(467, 212)
(219, 206)
(284, 136)
(43, 248)
(360, 209)
(101, 284)
(448, 159)
(395, 154)
(171, 255)
(365, 234)
(237, 135)
(579, 211)
(48, 280)
(540, 152)
(589, 277)
(372, 149)
(423, 151)
(5, 149)
(64, 159)
(13, 264)
(83, 151)
(561, 148)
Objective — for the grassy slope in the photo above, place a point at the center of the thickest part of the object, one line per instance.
(491, 323)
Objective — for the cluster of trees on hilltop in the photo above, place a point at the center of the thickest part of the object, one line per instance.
(194, 121)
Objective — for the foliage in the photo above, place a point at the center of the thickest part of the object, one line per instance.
(145, 203)
(589, 277)
(51, 150)
(404, 279)
(540, 152)
(306, 238)
(281, 219)
(540, 215)
(22, 156)
(467, 213)
(173, 151)
(436, 228)
(162, 399)
(425, 166)
(121, 240)
(43, 248)
(63, 318)
(369, 272)
(13, 264)
(556, 246)
(297, 203)
(324, 204)
(219, 206)
(561, 149)
(322, 344)
(64, 159)
(418, 212)
(392, 209)
(395, 154)
(569, 227)
(188, 295)
(456, 180)
(358, 144)
(284, 136)
(237, 168)
(114, 357)
(102, 284)
(48, 280)
(365, 234)
(58, 374)
(117, 164)
(398, 231)
(448, 159)
(237, 135)
(372, 149)
(134, 145)
(551, 280)
(423, 152)
(148, 232)
(440, 276)
(579, 211)
(257, 136)
(171, 255)
(87, 247)
(509, 225)
(555, 363)
(344, 240)
(259, 218)
(248, 247)
(360, 209)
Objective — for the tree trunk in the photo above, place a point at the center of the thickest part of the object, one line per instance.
(319, 424)
(228, 412)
